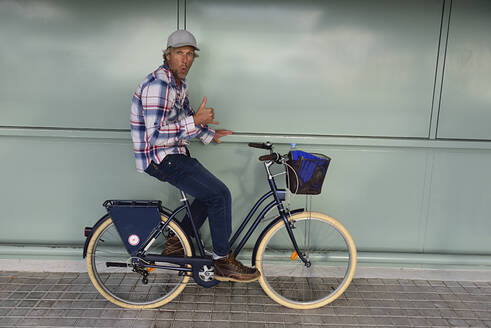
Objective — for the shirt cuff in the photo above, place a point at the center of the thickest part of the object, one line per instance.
(208, 137)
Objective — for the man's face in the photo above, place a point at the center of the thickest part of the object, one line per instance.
(180, 61)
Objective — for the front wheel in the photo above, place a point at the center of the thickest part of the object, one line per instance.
(331, 255)
(127, 285)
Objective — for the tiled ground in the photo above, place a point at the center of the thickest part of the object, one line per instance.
(69, 300)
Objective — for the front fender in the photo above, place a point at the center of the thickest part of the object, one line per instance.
(258, 241)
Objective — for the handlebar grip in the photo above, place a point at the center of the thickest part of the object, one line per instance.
(260, 145)
(270, 157)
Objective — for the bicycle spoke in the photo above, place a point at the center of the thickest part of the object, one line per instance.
(293, 283)
(132, 285)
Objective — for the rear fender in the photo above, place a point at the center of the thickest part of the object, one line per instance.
(87, 240)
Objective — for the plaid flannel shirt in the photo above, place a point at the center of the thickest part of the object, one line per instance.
(162, 119)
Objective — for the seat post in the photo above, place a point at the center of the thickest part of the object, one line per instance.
(193, 225)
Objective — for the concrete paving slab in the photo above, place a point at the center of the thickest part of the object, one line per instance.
(33, 299)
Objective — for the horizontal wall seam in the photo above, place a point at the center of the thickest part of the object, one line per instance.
(17, 130)
(244, 137)
(55, 128)
(466, 140)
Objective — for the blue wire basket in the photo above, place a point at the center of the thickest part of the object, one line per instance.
(306, 172)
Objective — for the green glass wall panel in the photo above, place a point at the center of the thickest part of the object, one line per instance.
(460, 203)
(53, 187)
(466, 95)
(375, 192)
(329, 67)
(390, 199)
(77, 63)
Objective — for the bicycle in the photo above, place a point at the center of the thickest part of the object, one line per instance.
(306, 259)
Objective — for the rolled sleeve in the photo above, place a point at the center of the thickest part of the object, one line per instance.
(207, 136)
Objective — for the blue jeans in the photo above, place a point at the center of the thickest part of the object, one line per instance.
(212, 197)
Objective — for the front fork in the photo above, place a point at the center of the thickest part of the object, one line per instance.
(285, 214)
(290, 225)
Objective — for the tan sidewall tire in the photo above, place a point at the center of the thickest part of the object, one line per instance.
(338, 293)
(108, 221)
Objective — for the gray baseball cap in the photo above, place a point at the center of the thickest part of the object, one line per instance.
(181, 38)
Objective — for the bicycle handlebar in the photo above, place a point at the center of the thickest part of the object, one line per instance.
(271, 157)
(264, 145)
(268, 146)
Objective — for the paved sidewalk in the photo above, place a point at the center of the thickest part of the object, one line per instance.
(30, 299)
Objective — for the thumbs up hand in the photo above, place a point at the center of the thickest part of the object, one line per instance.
(204, 115)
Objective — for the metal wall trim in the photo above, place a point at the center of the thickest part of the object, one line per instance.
(440, 69)
(65, 134)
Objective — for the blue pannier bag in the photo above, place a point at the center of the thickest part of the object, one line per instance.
(306, 172)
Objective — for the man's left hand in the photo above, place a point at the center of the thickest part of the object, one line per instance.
(219, 134)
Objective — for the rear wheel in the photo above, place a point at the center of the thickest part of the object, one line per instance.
(332, 261)
(126, 285)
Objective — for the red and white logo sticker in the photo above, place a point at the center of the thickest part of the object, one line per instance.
(133, 240)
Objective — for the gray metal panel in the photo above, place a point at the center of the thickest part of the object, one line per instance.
(317, 67)
(77, 63)
(466, 97)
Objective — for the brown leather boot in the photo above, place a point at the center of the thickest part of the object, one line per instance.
(173, 247)
(229, 269)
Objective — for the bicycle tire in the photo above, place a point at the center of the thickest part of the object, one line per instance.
(124, 287)
(286, 279)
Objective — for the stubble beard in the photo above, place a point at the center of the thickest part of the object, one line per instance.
(177, 75)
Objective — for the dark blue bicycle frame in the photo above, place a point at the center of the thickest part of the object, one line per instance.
(147, 260)
(278, 197)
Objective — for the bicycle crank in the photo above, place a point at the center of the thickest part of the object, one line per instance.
(204, 275)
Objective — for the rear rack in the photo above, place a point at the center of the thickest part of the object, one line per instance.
(136, 203)
(132, 203)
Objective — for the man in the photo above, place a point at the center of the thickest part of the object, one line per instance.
(162, 123)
